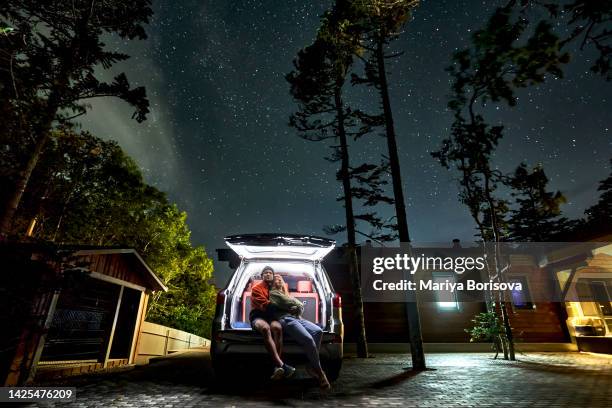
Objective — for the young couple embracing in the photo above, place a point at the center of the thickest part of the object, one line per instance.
(274, 312)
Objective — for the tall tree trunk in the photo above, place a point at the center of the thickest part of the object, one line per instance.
(498, 272)
(42, 132)
(492, 298)
(14, 199)
(362, 344)
(412, 310)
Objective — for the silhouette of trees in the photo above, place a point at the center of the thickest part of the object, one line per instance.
(363, 31)
(537, 216)
(587, 23)
(317, 82)
(380, 22)
(48, 70)
(599, 216)
(491, 70)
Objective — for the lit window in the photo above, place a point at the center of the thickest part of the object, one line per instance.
(521, 299)
(445, 299)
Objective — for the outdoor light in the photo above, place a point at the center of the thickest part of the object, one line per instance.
(447, 305)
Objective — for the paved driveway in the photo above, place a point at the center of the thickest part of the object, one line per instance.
(457, 380)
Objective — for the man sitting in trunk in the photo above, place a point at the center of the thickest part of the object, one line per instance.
(271, 330)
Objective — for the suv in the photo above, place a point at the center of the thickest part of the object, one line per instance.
(298, 259)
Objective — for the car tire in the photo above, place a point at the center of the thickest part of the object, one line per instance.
(332, 368)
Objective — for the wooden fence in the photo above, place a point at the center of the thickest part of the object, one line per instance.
(156, 340)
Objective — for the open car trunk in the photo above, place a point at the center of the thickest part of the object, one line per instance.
(281, 246)
(303, 281)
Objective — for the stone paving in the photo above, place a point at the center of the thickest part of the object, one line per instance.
(452, 380)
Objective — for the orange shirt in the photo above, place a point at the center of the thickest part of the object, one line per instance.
(260, 296)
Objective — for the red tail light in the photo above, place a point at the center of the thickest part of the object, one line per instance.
(337, 300)
(221, 297)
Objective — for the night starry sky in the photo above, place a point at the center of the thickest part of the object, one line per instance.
(217, 140)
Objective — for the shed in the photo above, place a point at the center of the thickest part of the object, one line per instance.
(74, 309)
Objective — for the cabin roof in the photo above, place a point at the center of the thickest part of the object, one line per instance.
(152, 279)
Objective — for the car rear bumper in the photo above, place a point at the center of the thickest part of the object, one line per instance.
(327, 351)
(250, 343)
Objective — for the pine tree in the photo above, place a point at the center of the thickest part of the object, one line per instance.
(599, 216)
(491, 70)
(317, 82)
(379, 23)
(584, 23)
(538, 214)
(368, 183)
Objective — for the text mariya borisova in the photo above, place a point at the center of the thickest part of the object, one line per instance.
(446, 286)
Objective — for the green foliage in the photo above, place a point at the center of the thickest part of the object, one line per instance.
(189, 303)
(591, 25)
(583, 22)
(509, 53)
(487, 328)
(313, 86)
(381, 18)
(500, 60)
(469, 150)
(87, 191)
(598, 218)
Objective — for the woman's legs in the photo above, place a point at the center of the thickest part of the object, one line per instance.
(315, 331)
(277, 336)
(297, 330)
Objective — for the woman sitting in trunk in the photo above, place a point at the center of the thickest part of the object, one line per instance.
(287, 310)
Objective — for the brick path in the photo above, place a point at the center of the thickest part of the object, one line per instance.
(453, 380)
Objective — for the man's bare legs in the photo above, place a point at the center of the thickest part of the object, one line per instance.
(277, 336)
(264, 328)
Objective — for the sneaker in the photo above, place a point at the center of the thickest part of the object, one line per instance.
(288, 371)
(278, 373)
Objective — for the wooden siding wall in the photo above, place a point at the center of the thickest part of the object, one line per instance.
(116, 266)
(29, 297)
(600, 263)
(448, 326)
(545, 322)
(542, 324)
(387, 323)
